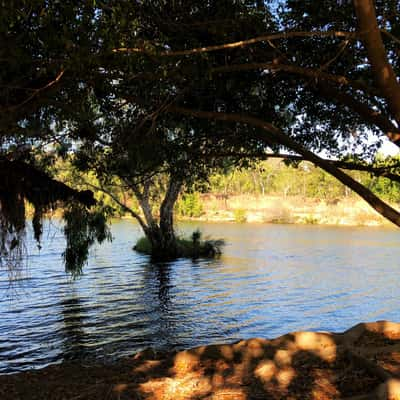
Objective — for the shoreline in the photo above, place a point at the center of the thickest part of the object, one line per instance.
(361, 363)
(278, 210)
(289, 210)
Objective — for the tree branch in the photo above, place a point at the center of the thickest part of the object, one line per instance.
(241, 43)
(36, 185)
(370, 115)
(384, 171)
(122, 205)
(36, 93)
(270, 132)
(328, 90)
(390, 35)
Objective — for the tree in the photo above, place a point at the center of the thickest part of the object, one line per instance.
(40, 46)
(129, 135)
(199, 78)
(155, 169)
(313, 89)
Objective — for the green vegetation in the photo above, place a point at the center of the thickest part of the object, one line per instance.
(274, 177)
(189, 205)
(298, 184)
(310, 220)
(143, 245)
(192, 247)
(82, 229)
(152, 97)
(240, 215)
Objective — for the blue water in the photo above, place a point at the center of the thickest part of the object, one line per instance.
(270, 280)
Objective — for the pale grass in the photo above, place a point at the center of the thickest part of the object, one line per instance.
(299, 210)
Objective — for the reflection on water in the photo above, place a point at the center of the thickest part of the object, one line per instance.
(156, 292)
(73, 315)
(270, 280)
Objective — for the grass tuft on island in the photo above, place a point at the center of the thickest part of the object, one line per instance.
(192, 247)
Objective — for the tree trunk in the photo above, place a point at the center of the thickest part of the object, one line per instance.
(383, 72)
(169, 243)
(143, 199)
(160, 235)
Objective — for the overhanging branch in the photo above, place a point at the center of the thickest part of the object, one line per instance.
(325, 83)
(370, 115)
(241, 43)
(35, 93)
(269, 132)
(122, 205)
(38, 187)
(384, 171)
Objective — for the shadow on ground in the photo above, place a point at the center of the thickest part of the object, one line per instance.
(360, 364)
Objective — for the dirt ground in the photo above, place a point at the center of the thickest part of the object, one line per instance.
(360, 364)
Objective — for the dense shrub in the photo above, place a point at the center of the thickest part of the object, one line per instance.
(189, 205)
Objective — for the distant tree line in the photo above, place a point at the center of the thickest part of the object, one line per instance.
(272, 177)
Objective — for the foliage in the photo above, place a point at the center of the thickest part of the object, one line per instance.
(66, 171)
(23, 183)
(143, 246)
(141, 89)
(189, 205)
(272, 177)
(82, 229)
(310, 220)
(239, 215)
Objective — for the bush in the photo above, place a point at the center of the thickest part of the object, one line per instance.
(239, 215)
(143, 245)
(189, 205)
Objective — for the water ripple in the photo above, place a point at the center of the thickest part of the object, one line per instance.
(270, 280)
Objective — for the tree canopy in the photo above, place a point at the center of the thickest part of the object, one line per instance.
(135, 88)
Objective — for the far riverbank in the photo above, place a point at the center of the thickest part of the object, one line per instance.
(289, 210)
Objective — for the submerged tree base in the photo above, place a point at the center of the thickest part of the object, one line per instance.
(362, 363)
(186, 247)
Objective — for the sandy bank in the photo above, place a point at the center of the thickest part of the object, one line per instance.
(292, 210)
(359, 364)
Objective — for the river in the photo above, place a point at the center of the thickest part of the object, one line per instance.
(271, 279)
